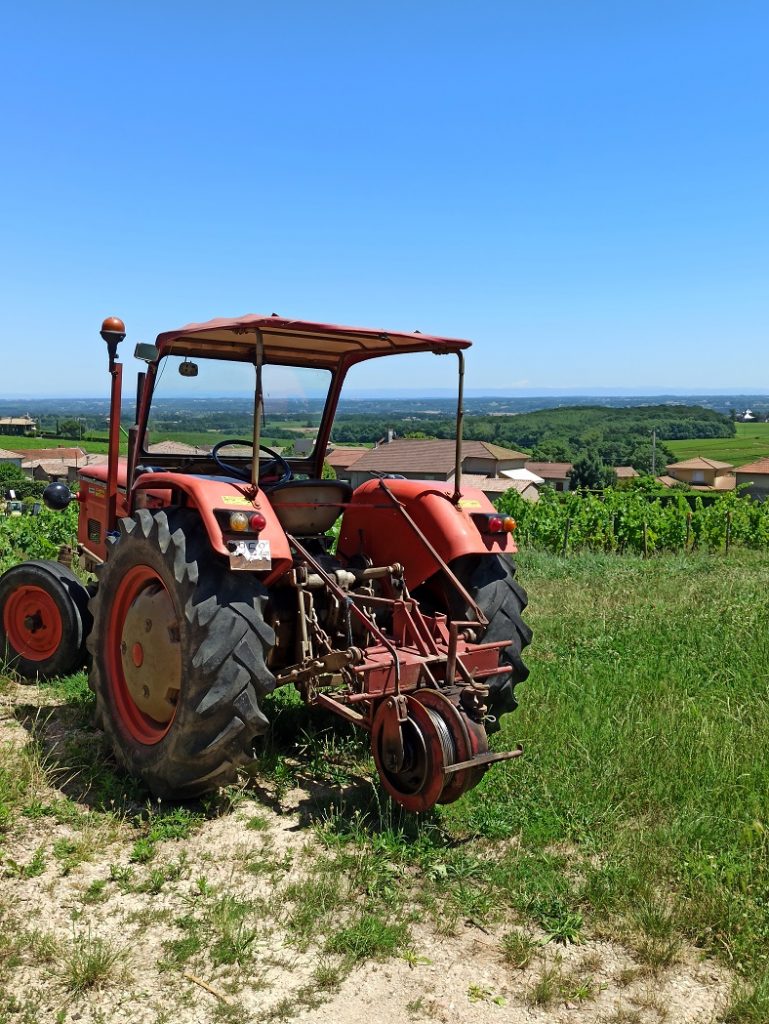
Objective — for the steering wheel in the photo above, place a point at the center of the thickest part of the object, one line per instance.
(245, 474)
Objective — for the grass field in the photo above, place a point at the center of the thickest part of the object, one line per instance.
(13, 443)
(751, 442)
(203, 438)
(637, 821)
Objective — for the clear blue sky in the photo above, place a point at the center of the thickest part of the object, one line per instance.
(582, 188)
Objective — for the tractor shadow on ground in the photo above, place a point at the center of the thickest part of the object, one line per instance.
(75, 757)
(309, 765)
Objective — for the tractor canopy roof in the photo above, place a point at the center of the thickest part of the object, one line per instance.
(297, 342)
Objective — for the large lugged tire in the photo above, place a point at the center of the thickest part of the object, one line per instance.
(178, 646)
(44, 619)
(490, 580)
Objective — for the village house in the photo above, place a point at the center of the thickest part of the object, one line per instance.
(10, 458)
(432, 460)
(625, 473)
(554, 474)
(18, 425)
(704, 474)
(756, 476)
(483, 464)
(341, 459)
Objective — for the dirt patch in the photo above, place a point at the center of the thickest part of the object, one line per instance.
(101, 922)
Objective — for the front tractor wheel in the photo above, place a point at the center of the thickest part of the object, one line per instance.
(44, 620)
(178, 646)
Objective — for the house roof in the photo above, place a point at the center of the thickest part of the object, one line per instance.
(700, 463)
(496, 451)
(758, 468)
(550, 470)
(175, 448)
(5, 455)
(486, 483)
(625, 472)
(496, 484)
(668, 481)
(30, 454)
(407, 455)
(16, 421)
(52, 467)
(343, 458)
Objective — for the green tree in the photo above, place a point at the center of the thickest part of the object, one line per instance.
(12, 478)
(590, 472)
(69, 428)
(552, 451)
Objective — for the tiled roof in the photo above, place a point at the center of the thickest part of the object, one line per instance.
(700, 463)
(487, 483)
(550, 470)
(668, 481)
(757, 468)
(53, 467)
(5, 455)
(625, 472)
(407, 455)
(60, 452)
(175, 448)
(16, 421)
(496, 484)
(343, 458)
(496, 451)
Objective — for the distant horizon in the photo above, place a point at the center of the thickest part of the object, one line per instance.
(368, 394)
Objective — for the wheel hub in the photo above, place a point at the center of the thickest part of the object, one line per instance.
(32, 623)
(151, 653)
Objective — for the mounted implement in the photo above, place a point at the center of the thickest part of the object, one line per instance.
(218, 580)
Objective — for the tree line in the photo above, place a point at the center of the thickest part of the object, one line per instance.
(615, 437)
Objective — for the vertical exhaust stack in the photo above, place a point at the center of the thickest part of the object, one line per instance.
(113, 332)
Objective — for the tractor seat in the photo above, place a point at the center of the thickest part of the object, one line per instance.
(309, 507)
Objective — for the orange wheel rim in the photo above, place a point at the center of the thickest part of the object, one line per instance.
(32, 623)
(143, 656)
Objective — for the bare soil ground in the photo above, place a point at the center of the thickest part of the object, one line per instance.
(246, 911)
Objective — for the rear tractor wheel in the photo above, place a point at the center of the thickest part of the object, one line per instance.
(178, 646)
(44, 620)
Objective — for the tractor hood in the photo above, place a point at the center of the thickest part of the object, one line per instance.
(298, 342)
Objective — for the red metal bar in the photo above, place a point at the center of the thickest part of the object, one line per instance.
(116, 372)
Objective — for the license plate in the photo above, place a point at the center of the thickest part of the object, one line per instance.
(251, 554)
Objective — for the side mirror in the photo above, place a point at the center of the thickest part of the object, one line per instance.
(57, 496)
(147, 353)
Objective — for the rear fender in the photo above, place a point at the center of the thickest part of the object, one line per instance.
(210, 495)
(373, 527)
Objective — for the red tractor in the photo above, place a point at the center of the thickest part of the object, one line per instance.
(217, 579)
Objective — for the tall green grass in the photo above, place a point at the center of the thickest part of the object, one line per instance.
(643, 796)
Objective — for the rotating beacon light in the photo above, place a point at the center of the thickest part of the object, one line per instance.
(113, 332)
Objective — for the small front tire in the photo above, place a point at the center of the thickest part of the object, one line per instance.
(44, 620)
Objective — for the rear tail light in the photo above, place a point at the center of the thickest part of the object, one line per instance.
(242, 521)
(493, 522)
